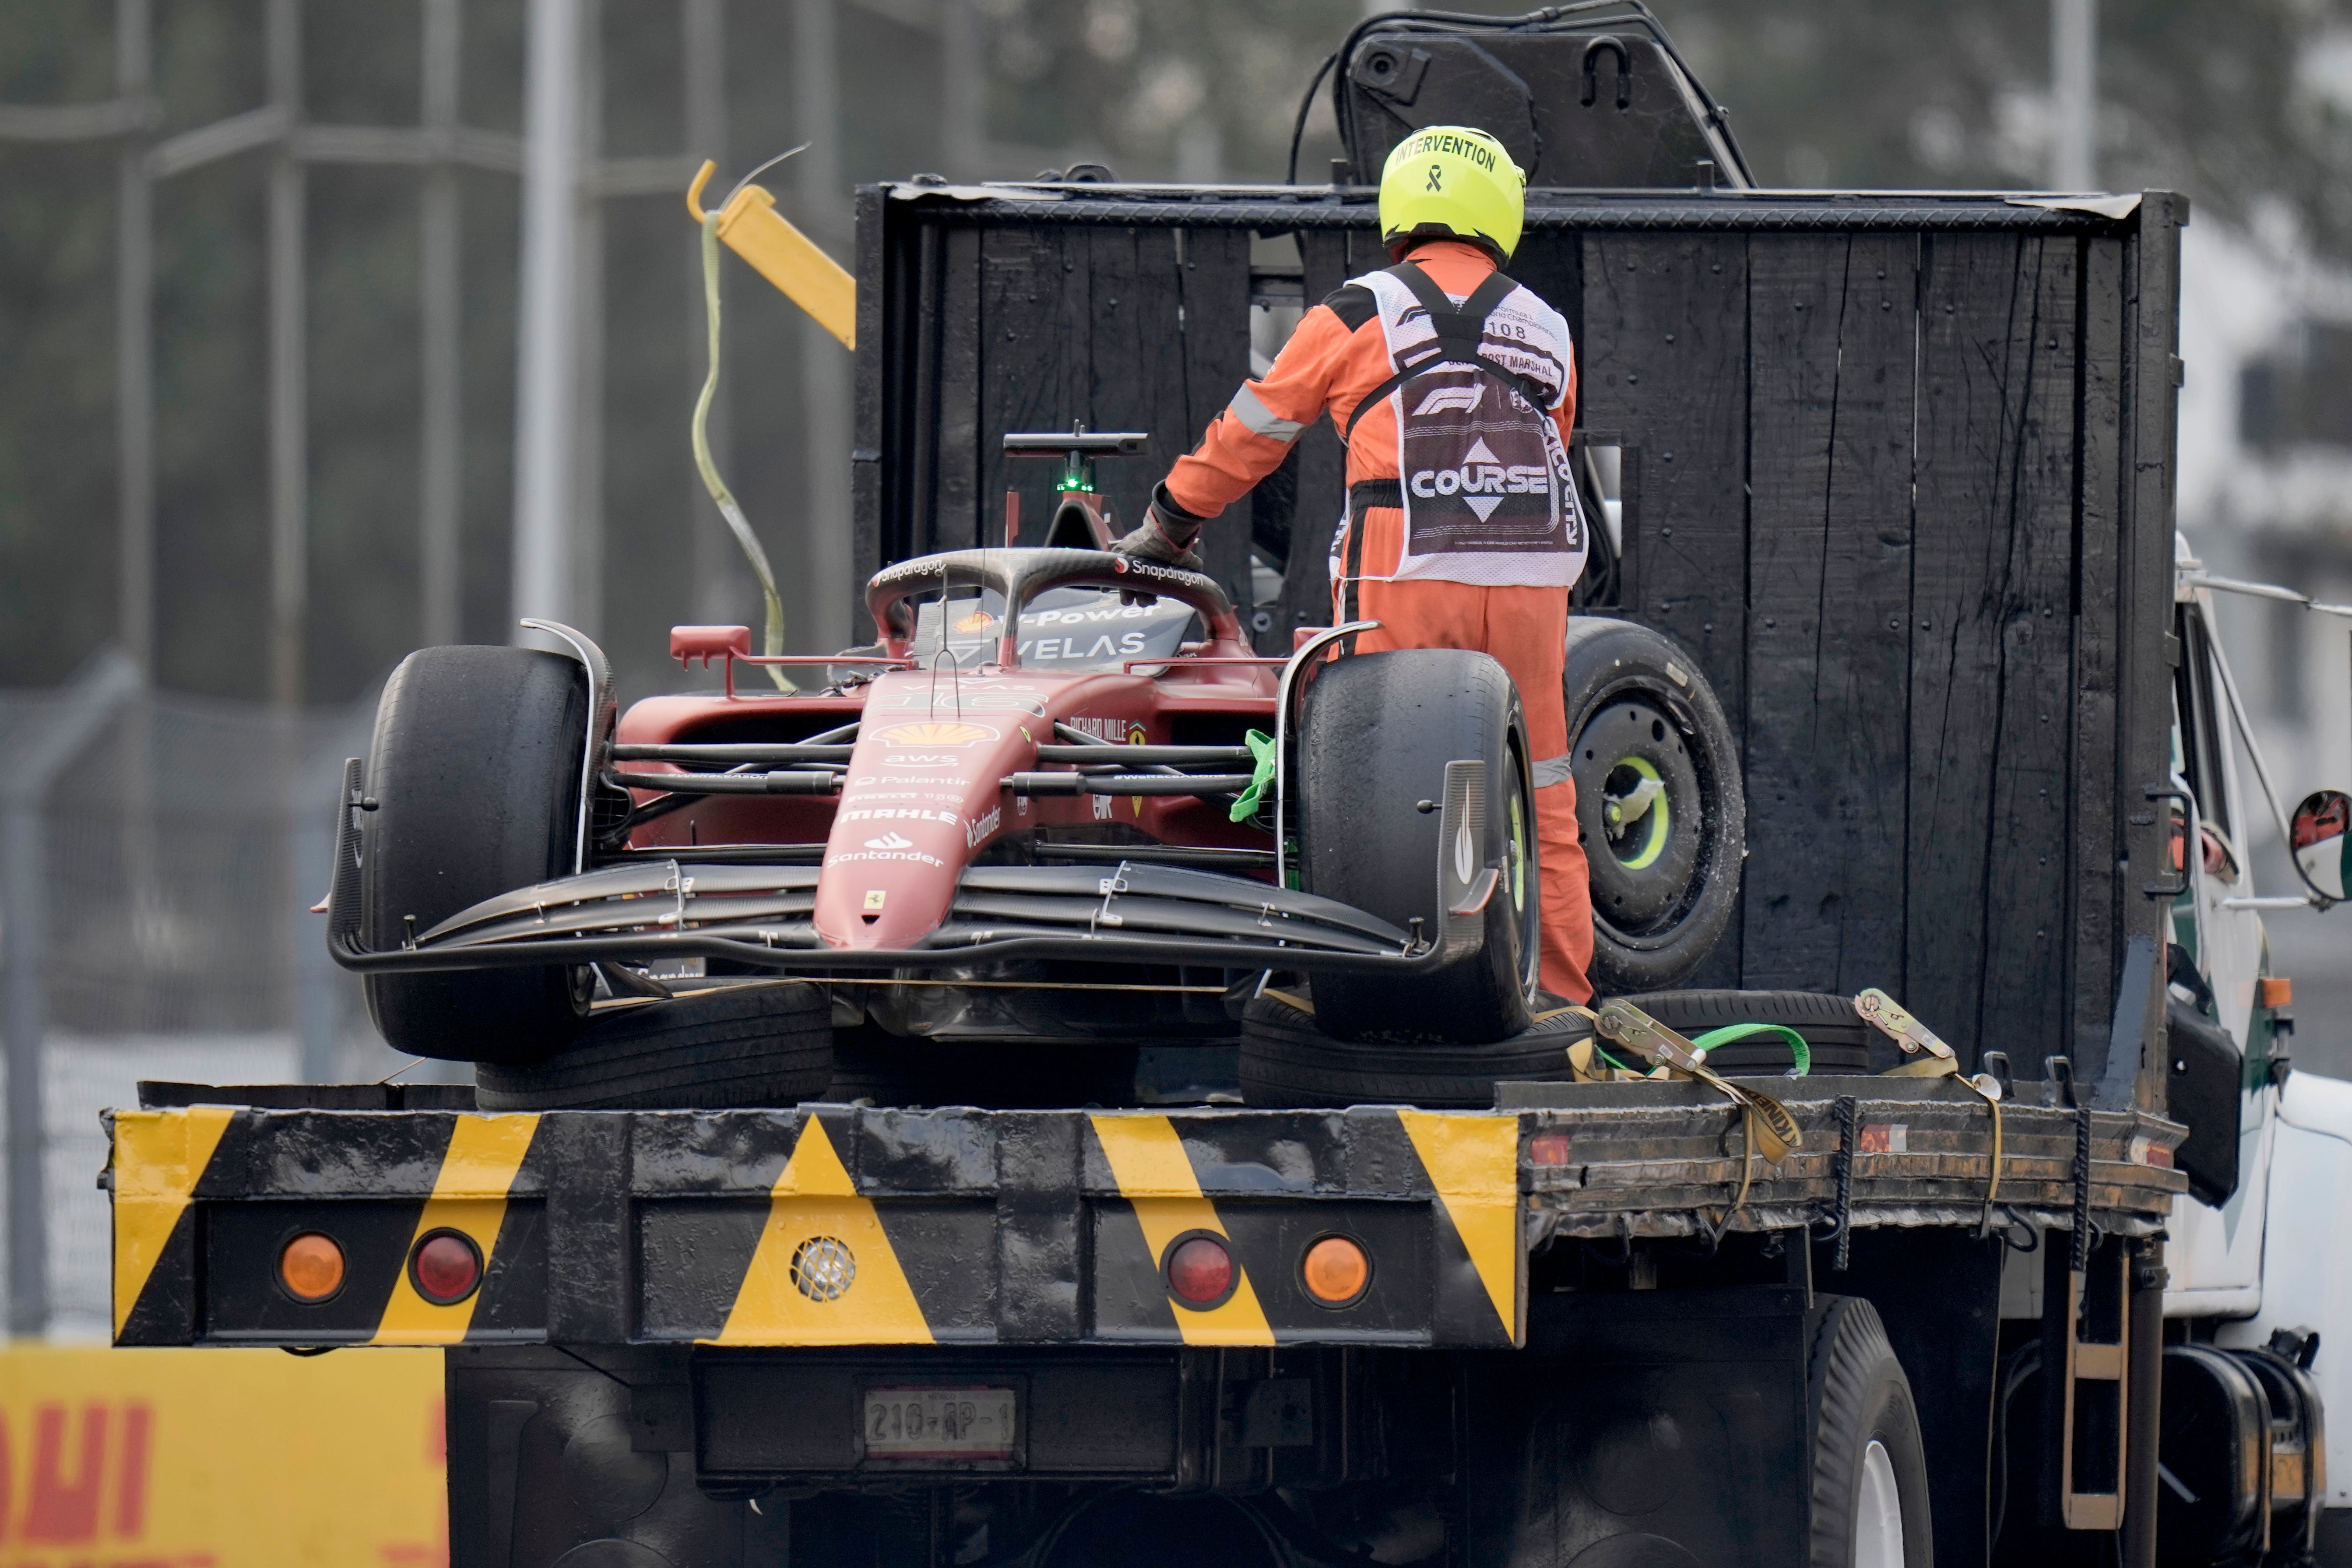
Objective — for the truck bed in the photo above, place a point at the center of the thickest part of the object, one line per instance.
(978, 1227)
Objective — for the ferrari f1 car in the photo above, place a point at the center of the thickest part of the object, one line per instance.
(1062, 798)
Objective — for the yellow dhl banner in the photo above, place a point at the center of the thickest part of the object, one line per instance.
(220, 1458)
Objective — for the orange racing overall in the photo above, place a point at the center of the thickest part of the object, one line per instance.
(1437, 564)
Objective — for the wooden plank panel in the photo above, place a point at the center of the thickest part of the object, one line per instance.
(1990, 691)
(954, 519)
(1829, 609)
(1213, 288)
(2026, 949)
(1135, 356)
(2096, 838)
(1022, 281)
(876, 370)
(2151, 416)
(1665, 363)
(1322, 462)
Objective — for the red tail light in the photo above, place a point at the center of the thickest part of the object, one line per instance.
(446, 1268)
(1200, 1272)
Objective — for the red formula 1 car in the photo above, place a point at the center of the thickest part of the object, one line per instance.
(1060, 799)
(1013, 817)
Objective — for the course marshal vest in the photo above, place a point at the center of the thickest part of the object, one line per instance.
(1482, 478)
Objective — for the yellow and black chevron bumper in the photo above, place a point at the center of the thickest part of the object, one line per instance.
(819, 1226)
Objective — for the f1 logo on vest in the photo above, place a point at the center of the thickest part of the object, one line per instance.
(1451, 400)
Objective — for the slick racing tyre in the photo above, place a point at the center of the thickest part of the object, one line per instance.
(1659, 802)
(765, 1044)
(475, 769)
(1376, 733)
(1840, 1041)
(1869, 1465)
(1287, 1061)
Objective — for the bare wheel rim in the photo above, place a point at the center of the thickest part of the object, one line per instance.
(1878, 1512)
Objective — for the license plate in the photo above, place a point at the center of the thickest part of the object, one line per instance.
(940, 1422)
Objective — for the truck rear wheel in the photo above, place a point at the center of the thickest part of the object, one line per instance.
(767, 1044)
(1375, 736)
(474, 770)
(1659, 800)
(1869, 1465)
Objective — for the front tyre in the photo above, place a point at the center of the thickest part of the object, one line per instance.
(474, 770)
(1869, 1465)
(1376, 733)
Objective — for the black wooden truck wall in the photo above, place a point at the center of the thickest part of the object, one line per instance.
(1897, 472)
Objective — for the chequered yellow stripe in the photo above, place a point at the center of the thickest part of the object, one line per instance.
(815, 1197)
(159, 1156)
(1473, 1159)
(469, 1194)
(1147, 1161)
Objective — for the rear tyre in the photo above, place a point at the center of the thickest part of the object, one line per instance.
(475, 767)
(1869, 1465)
(758, 1044)
(1288, 1062)
(1376, 733)
(1841, 1041)
(1659, 802)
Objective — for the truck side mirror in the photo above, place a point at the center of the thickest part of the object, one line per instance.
(2323, 847)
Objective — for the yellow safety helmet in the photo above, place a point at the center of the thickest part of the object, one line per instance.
(1453, 180)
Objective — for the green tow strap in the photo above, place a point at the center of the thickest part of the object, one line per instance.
(1798, 1049)
(1261, 745)
(773, 643)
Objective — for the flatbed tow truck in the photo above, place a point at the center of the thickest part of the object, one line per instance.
(1894, 471)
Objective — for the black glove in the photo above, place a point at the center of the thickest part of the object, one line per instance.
(1168, 535)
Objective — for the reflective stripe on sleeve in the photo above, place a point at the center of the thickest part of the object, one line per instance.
(1553, 770)
(1258, 420)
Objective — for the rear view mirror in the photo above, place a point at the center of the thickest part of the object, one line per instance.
(2323, 847)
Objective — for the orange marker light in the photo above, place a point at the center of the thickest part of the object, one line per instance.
(1336, 1270)
(311, 1266)
(2276, 990)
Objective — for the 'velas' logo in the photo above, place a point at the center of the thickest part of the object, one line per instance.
(939, 734)
(1449, 400)
(890, 841)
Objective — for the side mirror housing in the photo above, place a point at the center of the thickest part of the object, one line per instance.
(706, 642)
(2321, 832)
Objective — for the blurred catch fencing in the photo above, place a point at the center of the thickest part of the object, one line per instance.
(158, 853)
